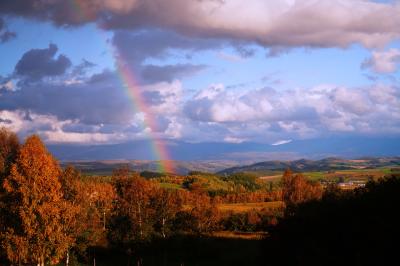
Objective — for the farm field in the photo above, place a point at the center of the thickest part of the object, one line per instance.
(240, 235)
(354, 174)
(245, 207)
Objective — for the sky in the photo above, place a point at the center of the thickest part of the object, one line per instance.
(99, 72)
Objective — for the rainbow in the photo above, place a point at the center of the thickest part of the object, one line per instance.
(133, 91)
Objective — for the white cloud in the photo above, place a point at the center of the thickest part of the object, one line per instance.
(230, 139)
(300, 112)
(281, 142)
(383, 61)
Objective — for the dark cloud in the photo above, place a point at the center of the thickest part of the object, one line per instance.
(60, 12)
(154, 73)
(244, 51)
(135, 47)
(5, 121)
(268, 23)
(98, 99)
(5, 34)
(89, 102)
(82, 68)
(38, 63)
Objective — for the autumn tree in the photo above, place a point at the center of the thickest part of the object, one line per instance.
(165, 204)
(38, 231)
(296, 188)
(9, 146)
(133, 220)
(94, 198)
(202, 216)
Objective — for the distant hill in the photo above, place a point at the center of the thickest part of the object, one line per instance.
(242, 153)
(106, 167)
(326, 164)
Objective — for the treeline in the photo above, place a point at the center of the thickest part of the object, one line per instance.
(48, 214)
(51, 215)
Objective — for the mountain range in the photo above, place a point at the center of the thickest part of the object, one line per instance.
(241, 153)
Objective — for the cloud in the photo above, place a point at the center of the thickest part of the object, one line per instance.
(81, 104)
(383, 61)
(82, 68)
(135, 47)
(5, 34)
(5, 121)
(83, 113)
(39, 63)
(281, 142)
(154, 73)
(101, 98)
(324, 23)
(285, 23)
(233, 140)
(53, 130)
(229, 57)
(252, 114)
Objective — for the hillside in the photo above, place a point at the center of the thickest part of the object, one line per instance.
(327, 164)
(106, 167)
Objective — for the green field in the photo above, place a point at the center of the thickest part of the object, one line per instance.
(353, 174)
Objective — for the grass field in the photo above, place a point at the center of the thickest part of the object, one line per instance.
(245, 207)
(171, 186)
(353, 174)
(240, 235)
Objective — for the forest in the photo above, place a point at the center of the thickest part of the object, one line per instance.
(59, 216)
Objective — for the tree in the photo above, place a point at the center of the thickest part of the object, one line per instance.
(93, 197)
(296, 189)
(133, 221)
(9, 146)
(165, 205)
(40, 216)
(202, 216)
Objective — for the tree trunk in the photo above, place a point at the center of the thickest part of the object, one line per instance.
(40, 261)
(104, 220)
(67, 261)
(163, 227)
(140, 220)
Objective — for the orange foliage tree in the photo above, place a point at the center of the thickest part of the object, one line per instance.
(39, 232)
(133, 216)
(165, 205)
(94, 199)
(200, 216)
(9, 146)
(296, 189)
